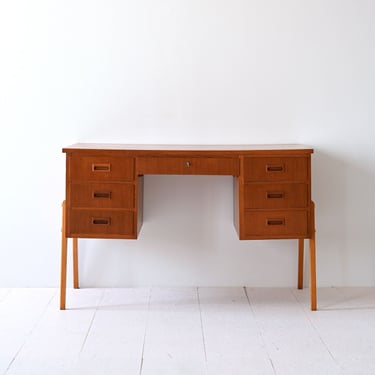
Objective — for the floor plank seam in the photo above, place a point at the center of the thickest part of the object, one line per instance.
(202, 329)
(29, 333)
(14, 357)
(197, 330)
(145, 332)
(260, 331)
(308, 317)
(91, 322)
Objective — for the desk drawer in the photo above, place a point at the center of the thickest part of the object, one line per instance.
(100, 222)
(276, 169)
(100, 168)
(96, 195)
(276, 224)
(276, 196)
(193, 165)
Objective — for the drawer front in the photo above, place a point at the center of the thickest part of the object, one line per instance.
(100, 222)
(194, 165)
(100, 168)
(276, 169)
(276, 224)
(96, 195)
(276, 196)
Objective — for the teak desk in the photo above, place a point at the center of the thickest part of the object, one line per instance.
(272, 192)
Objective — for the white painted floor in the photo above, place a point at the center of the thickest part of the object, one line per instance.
(192, 331)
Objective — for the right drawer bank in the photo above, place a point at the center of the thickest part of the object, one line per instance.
(274, 197)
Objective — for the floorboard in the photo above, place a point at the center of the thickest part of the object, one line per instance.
(192, 331)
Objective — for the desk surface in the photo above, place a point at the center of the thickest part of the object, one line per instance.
(184, 147)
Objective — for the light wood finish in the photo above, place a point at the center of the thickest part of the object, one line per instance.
(64, 256)
(75, 263)
(313, 261)
(272, 192)
(64, 246)
(301, 250)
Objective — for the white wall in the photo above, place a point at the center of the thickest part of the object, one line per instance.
(187, 71)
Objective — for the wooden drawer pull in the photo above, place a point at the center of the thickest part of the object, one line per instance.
(102, 167)
(102, 194)
(101, 221)
(275, 221)
(275, 168)
(275, 195)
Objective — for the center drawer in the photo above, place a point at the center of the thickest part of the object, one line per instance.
(187, 165)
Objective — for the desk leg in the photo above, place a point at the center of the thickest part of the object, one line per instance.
(64, 247)
(301, 243)
(313, 273)
(313, 261)
(75, 263)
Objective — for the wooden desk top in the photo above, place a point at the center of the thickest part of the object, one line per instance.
(186, 148)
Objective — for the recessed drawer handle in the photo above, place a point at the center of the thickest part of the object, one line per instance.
(102, 167)
(275, 221)
(275, 168)
(102, 194)
(275, 195)
(101, 221)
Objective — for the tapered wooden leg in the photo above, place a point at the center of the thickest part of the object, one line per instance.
(301, 243)
(75, 263)
(313, 273)
(64, 248)
(313, 262)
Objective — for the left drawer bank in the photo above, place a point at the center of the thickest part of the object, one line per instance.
(103, 194)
